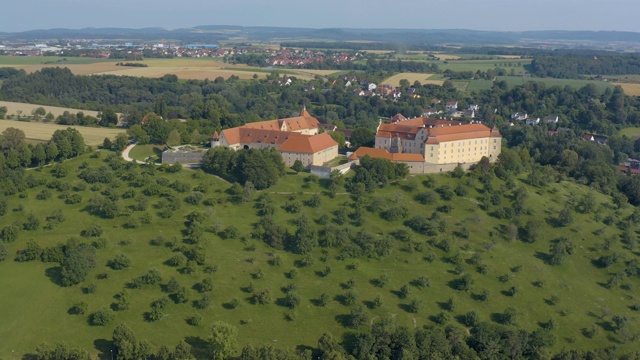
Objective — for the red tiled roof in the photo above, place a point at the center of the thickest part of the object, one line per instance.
(460, 132)
(250, 135)
(308, 144)
(384, 154)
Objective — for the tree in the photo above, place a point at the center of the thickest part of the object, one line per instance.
(120, 142)
(108, 117)
(297, 166)
(362, 137)
(338, 137)
(223, 340)
(174, 138)
(11, 138)
(138, 134)
(124, 342)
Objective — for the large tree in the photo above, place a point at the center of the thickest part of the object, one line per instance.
(223, 340)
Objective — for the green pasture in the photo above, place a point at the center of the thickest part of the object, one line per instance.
(33, 308)
(630, 131)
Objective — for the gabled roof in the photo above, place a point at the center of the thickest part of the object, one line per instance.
(407, 129)
(308, 144)
(461, 132)
(215, 136)
(296, 123)
(243, 135)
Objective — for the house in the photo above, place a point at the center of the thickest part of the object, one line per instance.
(519, 116)
(435, 101)
(550, 119)
(469, 114)
(397, 118)
(532, 120)
(452, 106)
(597, 138)
(296, 138)
(473, 107)
(371, 86)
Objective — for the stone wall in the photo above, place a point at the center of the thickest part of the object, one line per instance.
(325, 171)
(182, 157)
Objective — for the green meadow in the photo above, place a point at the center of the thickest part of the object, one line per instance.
(469, 241)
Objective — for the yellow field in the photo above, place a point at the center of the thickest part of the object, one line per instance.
(629, 89)
(183, 72)
(78, 69)
(42, 131)
(14, 107)
(412, 77)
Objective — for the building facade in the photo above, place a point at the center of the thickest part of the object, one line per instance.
(296, 138)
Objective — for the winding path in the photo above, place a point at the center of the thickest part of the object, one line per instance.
(125, 153)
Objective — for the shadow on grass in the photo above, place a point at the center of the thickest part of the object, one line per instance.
(54, 274)
(606, 325)
(198, 347)
(405, 308)
(343, 320)
(104, 347)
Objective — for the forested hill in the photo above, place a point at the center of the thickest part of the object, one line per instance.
(577, 66)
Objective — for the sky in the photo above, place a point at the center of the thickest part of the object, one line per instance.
(496, 15)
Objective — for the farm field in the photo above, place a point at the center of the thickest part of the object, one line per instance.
(629, 89)
(27, 109)
(411, 77)
(517, 80)
(518, 65)
(42, 131)
(183, 68)
(569, 294)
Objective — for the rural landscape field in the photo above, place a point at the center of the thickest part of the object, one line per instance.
(40, 131)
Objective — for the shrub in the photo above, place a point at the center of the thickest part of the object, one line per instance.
(102, 317)
(120, 262)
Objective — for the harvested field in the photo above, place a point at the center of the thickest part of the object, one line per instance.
(182, 72)
(411, 77)
(314, 72)
(14, 107)
(629, 89)
(42, 131)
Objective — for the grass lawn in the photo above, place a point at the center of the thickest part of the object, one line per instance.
(142, 152)
(33, 308)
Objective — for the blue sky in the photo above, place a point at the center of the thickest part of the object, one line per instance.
(505, 15)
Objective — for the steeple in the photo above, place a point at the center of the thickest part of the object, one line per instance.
(304, 111)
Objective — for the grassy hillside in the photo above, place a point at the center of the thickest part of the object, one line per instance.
(468, 241)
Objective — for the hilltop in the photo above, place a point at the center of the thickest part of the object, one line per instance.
(427, 251)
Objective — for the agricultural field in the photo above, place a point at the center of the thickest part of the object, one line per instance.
(183, 68)
(411, 77)
(419, 269)
(549, 82)
(26, 109)
(39, 131)
(629, 89)
(518, 65)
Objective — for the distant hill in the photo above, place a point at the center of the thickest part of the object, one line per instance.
(209, 33)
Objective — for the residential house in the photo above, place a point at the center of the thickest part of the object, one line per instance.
(550, 119)
(452, 106)
(473, 107)
(519, 116)
(532, 120)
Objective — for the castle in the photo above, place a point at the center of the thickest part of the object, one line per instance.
(432, 145)
(296, 138)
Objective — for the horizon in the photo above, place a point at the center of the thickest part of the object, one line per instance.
(491, 15)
